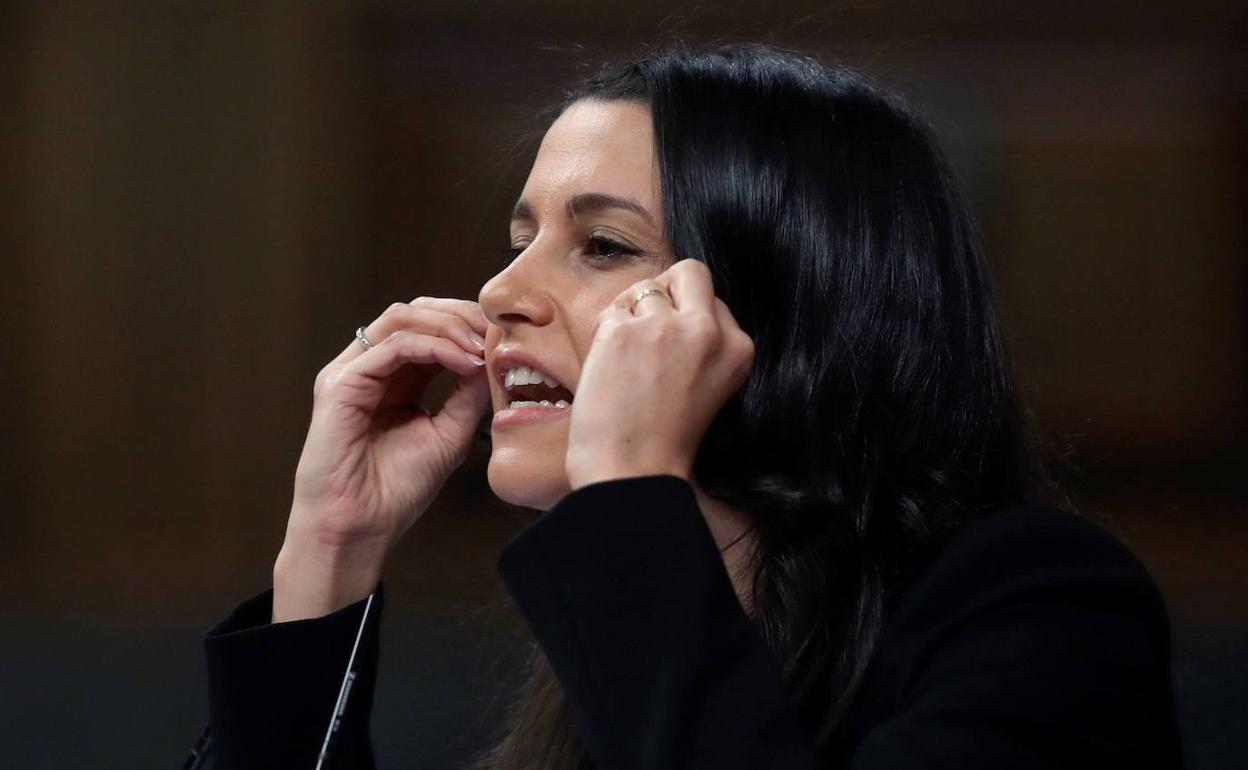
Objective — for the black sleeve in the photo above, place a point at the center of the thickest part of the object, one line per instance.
(274, 688)
(1035, 642)
(628, 596)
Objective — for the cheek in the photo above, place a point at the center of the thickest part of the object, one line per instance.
(583, 310)
(527, 463)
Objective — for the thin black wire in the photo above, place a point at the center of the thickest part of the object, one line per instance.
(200, 751)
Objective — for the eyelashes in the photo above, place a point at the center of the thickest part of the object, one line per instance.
(599, 249)
(607, 248)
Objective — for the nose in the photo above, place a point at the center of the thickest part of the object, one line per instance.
(517, 295)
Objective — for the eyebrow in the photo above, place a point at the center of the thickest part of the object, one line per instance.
(584, 203)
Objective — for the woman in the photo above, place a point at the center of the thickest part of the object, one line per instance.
(745, 358)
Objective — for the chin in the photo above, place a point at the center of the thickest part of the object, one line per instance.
(527, 477)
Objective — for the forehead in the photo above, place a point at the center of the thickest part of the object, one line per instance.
(599, 146)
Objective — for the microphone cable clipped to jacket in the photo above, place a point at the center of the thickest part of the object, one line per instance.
(203, 746)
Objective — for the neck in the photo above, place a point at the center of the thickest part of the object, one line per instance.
(730, 529)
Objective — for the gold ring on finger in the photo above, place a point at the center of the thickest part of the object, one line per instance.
(647, 292)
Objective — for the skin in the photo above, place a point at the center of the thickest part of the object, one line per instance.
(647, 379)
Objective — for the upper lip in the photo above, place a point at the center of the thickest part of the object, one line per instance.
(503, 359)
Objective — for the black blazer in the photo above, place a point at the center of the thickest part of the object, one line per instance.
(1033, 639)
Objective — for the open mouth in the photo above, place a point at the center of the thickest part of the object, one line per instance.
(546, 396)
(528, 386)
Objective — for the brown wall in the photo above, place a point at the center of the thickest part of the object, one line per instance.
(202, 201)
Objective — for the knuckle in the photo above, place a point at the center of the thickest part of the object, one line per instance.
(694, 266)
(741, 343)
(421, 300)
(745, 348)
(662, 332)
(607, 315)
(325, 380)
(452, 324)
(396, 337)
(744, 353)
(396, 308)
(703, 328)
(606, 325)
(621, 330)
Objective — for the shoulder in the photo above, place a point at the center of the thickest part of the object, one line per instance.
(1030, 621)
(1033, 586)
(1027, 549)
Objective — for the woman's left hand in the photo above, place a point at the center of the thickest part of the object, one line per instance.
(654, 378)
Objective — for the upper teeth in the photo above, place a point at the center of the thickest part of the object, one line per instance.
(523, 375)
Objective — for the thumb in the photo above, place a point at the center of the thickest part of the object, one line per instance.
(457, 419)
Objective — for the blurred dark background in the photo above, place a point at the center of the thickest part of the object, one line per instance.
(202, 200)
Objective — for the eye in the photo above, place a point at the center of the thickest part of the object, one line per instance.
(604, 249)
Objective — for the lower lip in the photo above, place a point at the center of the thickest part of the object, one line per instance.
(526, 415)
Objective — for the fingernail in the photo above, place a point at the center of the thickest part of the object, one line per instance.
(475, 360)
(477, 340)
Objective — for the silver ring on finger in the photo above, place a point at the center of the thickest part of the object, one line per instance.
(647, 292)
(363, 338)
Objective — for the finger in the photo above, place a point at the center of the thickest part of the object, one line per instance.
(723, 315)
(739, 341)
(369, 373)
(654, 303)
(457, 419)
(426, 320)
(728, 324)
(612, 315)
(690, 284)
(466, 309)
(627, 299)
(447, 324)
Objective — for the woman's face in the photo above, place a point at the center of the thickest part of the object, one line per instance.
(588, 224)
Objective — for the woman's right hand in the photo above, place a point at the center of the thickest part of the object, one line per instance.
(373, 459)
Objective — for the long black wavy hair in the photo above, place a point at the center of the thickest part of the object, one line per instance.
(881, 412)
